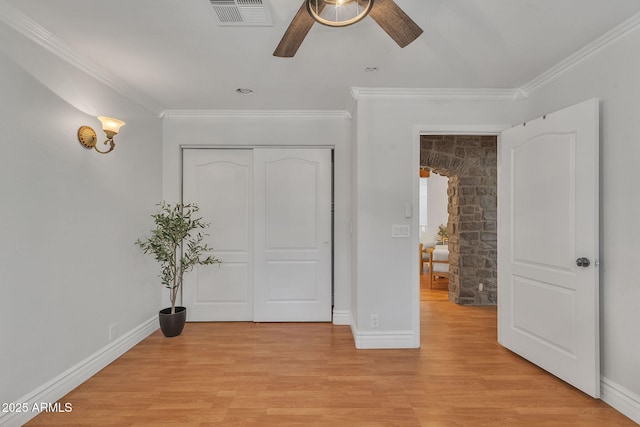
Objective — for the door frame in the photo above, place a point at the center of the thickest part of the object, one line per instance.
(330, 147)
(418, 130)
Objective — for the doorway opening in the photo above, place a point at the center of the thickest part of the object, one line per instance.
(470, 163)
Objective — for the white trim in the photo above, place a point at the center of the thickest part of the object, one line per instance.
(38, 34)
(369, 340)
(47, 40)
(21, 23)
(460, 129)
(436, 130)
(379, 340)
(58, 387)
(250, 147)
(581, 55)
(415, 237)
(290, 114)
(341, 317)
(435, 93)
(620, 399)
(352, 102)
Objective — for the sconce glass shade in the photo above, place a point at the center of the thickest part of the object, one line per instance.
(87, 136)
(111, 126)
(338, 13)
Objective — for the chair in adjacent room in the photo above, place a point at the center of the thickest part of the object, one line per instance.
(438, 263)
(423, 258)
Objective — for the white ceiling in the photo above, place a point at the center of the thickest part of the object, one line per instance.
(175, 53)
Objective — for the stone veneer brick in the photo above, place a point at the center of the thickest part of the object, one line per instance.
(470, 163)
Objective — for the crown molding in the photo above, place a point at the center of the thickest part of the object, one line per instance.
(352, 103)
(24, 25)
(429, 129)
(435, 93)
(21, 23)
(581, 55)
(288, 114)
(47, 40)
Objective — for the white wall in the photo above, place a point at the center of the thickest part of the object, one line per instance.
(234, 129)
(612, 75)
(387, 144)
(437, 207)
(68, 220)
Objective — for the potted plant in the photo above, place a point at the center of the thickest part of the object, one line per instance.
(443, 233)
(176, 243)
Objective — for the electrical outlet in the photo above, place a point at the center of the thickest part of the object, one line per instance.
(113, 331)
(481, 287)
(375, 321)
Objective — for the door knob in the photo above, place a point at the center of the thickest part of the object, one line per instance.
(583, 262)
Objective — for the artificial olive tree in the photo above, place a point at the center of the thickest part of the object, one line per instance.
(176, 243)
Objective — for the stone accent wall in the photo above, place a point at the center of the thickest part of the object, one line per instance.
(470, 163)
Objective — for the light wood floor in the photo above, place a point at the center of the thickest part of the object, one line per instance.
(246, 374)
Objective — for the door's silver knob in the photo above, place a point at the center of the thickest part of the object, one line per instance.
(583, 262)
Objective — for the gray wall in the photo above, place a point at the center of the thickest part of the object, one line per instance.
(387, 142)
(68, 220)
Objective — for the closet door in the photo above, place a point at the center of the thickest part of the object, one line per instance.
(220, 182)
(292, 235)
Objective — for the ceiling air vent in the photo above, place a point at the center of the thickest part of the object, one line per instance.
(242, 12)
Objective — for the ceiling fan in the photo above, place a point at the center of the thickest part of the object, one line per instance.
(339, 13)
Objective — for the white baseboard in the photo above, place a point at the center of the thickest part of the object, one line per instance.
(385, 340)
(341, 317)
(620, 399)
(58, 387)
(370, 340)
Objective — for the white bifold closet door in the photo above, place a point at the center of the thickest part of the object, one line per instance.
(270, 215)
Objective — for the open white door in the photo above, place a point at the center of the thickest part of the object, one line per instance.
(548, 284)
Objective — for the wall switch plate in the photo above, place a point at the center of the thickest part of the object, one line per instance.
(401, 230)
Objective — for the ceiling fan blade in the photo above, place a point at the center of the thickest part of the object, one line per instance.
(395, 22)
(295, 34)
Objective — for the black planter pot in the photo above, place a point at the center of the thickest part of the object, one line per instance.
(172, 324)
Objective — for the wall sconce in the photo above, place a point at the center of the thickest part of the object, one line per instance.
(87, 136)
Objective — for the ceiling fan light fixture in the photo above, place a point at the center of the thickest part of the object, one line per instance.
(338, 13)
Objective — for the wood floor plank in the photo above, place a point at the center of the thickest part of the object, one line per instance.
(310, 374)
